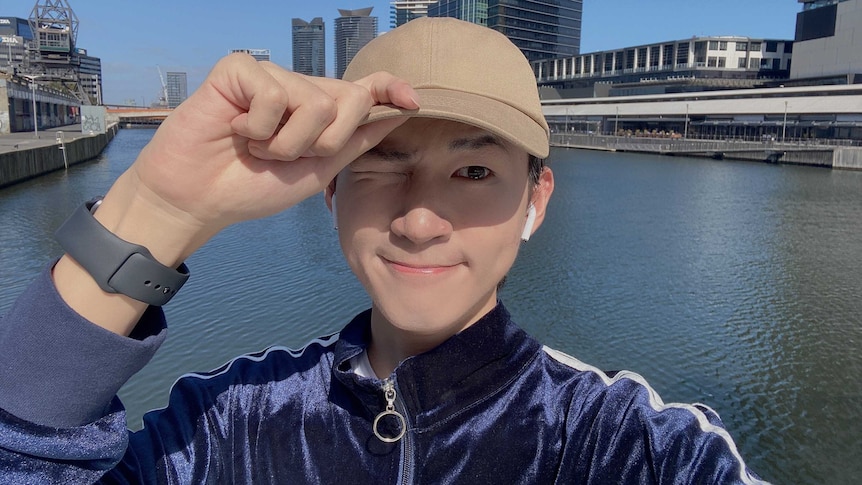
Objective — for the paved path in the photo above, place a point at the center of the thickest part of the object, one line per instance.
(23, 141)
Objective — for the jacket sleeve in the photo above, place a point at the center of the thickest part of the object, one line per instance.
(634, 437)
(60, 420)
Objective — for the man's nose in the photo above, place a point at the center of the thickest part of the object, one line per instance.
(421, 222)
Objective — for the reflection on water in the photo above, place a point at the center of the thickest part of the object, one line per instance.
(733, 284)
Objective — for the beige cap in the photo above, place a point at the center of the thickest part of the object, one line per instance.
(463, 72)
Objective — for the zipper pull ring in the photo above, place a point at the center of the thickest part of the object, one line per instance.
(389, 394)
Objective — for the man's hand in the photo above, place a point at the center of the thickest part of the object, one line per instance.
(253, 140)
(256, 139)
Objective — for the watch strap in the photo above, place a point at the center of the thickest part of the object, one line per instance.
(118, 266)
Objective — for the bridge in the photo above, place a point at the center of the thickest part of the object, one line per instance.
(130, 117)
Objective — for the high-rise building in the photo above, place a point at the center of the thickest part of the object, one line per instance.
(14, 34)
(177, 88)
(309, 53)
(403, 11)
(258, 54)
(827, 42)
(353, 30)
(90, 75)
(542, 29)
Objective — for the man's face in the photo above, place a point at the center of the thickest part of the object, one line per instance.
(430, 222)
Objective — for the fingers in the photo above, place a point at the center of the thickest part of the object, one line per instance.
(285, 116)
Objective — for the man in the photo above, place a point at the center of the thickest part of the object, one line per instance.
(430, 158)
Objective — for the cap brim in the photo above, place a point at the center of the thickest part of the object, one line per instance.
(498, 118)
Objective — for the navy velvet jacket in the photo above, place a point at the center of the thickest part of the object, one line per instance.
(490, 405)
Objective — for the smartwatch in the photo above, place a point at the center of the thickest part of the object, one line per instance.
(118, 266)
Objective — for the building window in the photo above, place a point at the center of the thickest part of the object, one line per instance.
(722, 45)
(741, 63)
(765, 63)
(754, 63)
(682, 54)
(630, 59)
(654, 55)
(754, 47)
(668, 55)
(776, 64)
(741, 46)
(712, 61)
(713, 45)
(609, 62)
(788, 47)
(771, 46)
(722, 61)
(642, 57)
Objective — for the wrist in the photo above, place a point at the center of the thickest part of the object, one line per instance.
(135, 214)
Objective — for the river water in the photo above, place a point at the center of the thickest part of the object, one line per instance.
(733, 284)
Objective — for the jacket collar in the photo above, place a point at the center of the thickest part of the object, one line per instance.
(468, 367)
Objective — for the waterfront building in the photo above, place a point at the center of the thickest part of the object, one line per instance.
(176, 88)
(90, 76)
(696, 64)
(258, 54)
(826, 50)
(309, 47)
(15, 33)
(542, 29)
(353, 29)
(403, 11)
(53, 107)
(803, 113)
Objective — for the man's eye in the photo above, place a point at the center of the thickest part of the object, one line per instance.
(473, 172)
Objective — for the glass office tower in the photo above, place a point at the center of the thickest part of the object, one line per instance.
(353, 30)
(309, 53)
(541, 29)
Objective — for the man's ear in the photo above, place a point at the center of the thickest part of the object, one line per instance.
(541, 196)
(329, 193)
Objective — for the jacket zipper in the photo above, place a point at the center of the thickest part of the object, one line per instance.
(396, 409)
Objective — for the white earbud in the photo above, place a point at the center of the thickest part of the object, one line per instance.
(528, 226)
(334, 215)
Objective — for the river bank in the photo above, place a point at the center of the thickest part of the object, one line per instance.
(26, 155)
(771, 151)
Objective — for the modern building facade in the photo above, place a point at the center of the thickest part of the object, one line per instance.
(827, 48)
(177, 88)
(258, 54)
(90, 76)
(353, 29)
(15, 33)
(403, 11)
(309, 51)
(696, 64)
(542, 29)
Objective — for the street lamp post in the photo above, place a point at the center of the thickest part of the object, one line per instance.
(32, 80)
(617, 122)
(784, 124)
(685, 132)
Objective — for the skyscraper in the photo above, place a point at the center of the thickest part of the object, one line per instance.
(353, 30)
(177, 88)
(309, 53)
(403, 11)
(540, 28)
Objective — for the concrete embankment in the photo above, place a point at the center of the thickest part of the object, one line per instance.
(847, 158)
(811, 154)
(26, 159)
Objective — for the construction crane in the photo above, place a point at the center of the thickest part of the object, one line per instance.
(163, 95)
(53, 55)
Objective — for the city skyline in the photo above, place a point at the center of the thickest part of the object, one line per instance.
(192, 39)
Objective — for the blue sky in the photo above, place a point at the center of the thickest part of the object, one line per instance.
(133, 37)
